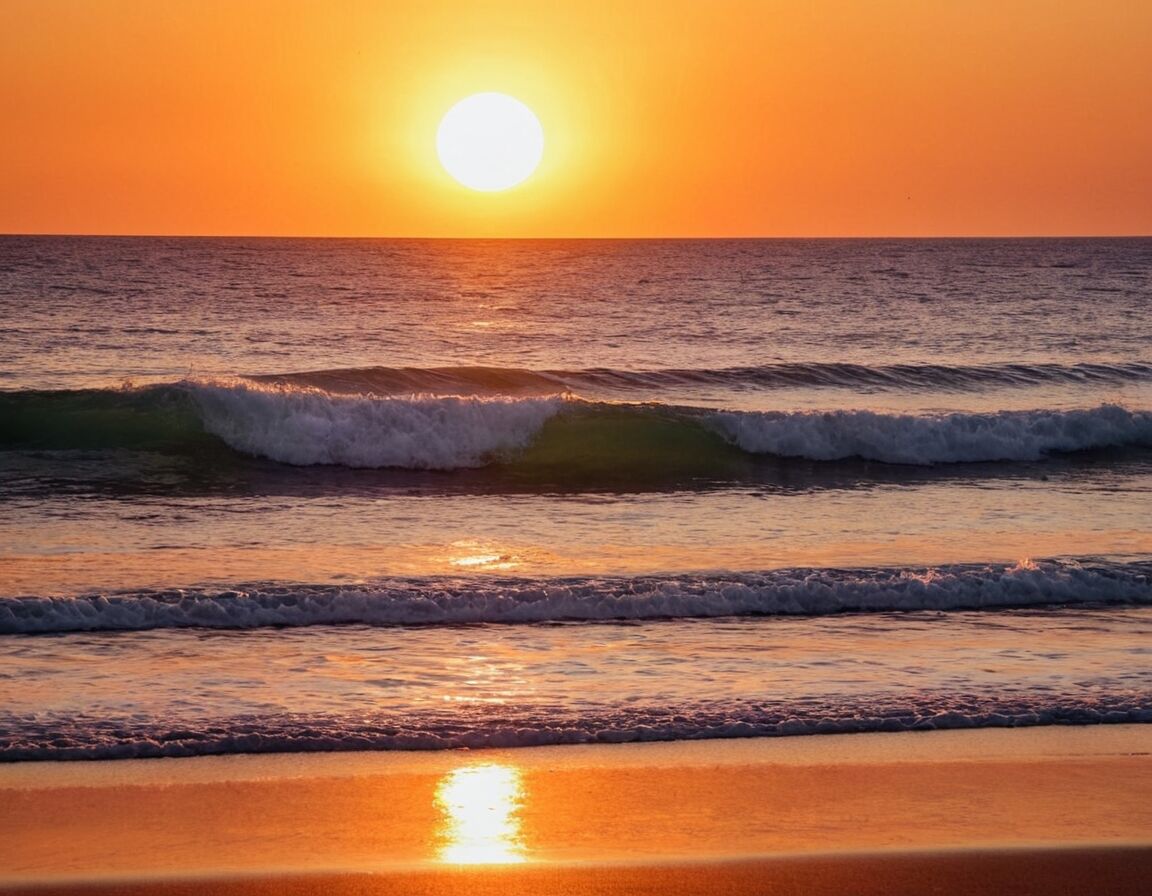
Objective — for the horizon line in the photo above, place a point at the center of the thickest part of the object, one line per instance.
(763, 238)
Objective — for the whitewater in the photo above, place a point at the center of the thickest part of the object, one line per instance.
(285, 495)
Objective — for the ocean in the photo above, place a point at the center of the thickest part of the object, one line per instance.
(264, 495)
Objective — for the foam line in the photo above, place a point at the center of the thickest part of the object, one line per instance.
(457, 601)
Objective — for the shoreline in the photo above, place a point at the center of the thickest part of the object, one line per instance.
(1117, 869)
(994, 804)
(1057, 741)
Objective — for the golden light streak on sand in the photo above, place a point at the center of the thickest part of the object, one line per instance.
(481, 805)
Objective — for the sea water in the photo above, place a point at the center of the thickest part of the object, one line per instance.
(275, 495)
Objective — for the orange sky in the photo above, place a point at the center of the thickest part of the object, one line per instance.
(668, 118)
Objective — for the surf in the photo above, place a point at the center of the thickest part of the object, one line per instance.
(306, 426)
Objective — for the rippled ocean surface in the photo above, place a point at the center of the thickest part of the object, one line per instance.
(264, 495)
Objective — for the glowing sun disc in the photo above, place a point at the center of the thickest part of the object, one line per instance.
(490, 141)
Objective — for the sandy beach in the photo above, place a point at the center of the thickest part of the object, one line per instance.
(1045, 810)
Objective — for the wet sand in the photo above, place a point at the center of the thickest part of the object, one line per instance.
(1043, 810)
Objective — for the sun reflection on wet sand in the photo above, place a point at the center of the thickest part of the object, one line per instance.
(481, 824)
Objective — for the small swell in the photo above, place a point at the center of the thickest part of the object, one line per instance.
(594, 381)
(456, 601)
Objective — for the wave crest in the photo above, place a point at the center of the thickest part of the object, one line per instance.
(936, 438)
(307, 426)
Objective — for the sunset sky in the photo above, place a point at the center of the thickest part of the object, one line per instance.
(663, 118)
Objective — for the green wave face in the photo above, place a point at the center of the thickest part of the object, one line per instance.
(633, 442)
(153, 418)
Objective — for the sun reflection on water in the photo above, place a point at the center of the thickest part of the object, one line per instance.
(478, 556)
(481, 824)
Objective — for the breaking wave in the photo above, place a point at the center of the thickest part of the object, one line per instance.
(935, 438)
(304, 425)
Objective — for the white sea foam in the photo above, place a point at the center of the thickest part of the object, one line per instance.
(304, 426)
(45, 737)
(938, 438)
(456, 601)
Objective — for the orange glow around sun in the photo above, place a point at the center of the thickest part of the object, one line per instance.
(660, 117)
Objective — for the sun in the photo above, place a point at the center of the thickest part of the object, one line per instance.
(490, 142)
